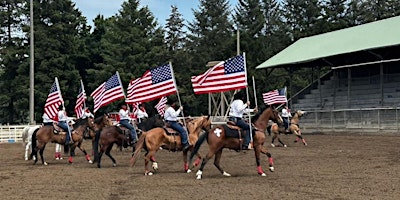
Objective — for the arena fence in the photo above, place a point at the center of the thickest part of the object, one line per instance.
(365, 120)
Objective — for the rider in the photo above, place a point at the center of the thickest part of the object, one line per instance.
(285, 116)
(141, 113)
(171, 117)
(87, 114)
(46, 120)
(62, 122)
(238, 107)
(125, 121)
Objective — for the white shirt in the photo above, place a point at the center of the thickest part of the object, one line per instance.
(285, 113)
(46, 118)
(238, 108)
(124, 114)
(62, 117)
(87, 114)
(171, 114)
(141, 114)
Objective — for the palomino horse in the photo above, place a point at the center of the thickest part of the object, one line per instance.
(155, 138)
(294, 127)
(109, 136)
(47, 134)
(276, 129)
(218, 138)
(27, 138)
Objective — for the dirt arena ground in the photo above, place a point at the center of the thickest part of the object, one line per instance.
(330, 167)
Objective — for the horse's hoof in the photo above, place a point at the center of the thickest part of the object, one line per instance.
(57, 158)
(189, 171)
(26, 158)
(198, 177)
(199, 174)
(272, 145)
(90, 161)
(271, 169)
(263, 174)
(114, 164)
(155, 166)
(285, 145)
(148, 173)
(45, 163)
(226, 174)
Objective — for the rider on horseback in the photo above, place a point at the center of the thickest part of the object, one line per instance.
(171, 117)
(238, 107)
(87, 114)
(141, 113)
(62, 122)
(124, 120)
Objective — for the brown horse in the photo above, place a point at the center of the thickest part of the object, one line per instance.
(276, 129)
(222, 136)
(47, 134)
(294, 127)
(99, 123)
(109, 136)
(155, 138)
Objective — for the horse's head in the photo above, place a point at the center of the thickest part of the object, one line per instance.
(262, 118)
(300, 113)
(203, 122)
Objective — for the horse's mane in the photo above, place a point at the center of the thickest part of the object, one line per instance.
(80, 122)
(255, 117)
(99, 120)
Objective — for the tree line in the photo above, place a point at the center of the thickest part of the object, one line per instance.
(132, 40)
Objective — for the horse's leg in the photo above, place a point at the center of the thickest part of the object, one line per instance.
(199, 173)
(87, 156)
(72, 153)
(108, 150)
(280, 141)
(270, 160)
(27, 147)
(149, 157)
(100, 155)
(273, 139)
(95, 146)
(185, 162)
(217, 160)
(41, 154)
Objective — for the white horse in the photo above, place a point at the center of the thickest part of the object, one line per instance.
(27, 139)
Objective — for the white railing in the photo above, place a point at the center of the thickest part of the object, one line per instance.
(11, 133)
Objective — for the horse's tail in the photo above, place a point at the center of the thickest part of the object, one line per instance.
(25, 135)
(34, 143)
(139, 146)
(197, 145)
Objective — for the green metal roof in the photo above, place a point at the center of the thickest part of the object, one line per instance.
(382, 33)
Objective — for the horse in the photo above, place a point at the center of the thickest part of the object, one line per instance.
(109, 136)
(222, 136)
(99, 123)
(27, 139)
(276, 129)
(82, 128)
(294, 127)
(155, 138)
(45, 134)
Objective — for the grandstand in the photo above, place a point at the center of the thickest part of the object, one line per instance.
(361, 93)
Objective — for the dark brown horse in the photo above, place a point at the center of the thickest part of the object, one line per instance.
(222, 136)
(155, 138)
(109, 136)
(47, 134)
(99, 123)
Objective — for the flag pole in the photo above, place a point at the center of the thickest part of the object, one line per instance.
(120, 83)
(255, 93)
(177, 93)
(83, 92)
(59, 91)
(247, 94)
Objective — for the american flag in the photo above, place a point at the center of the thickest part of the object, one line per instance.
(154, 83)
(80, 101)
(225, 76)
(275, 96)
(54, 100)
(108, 92)
(161, 106)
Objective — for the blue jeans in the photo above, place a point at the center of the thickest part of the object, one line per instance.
(286, 122)
(243, 125)
(184, 136)
(64, 126)
(125, 122)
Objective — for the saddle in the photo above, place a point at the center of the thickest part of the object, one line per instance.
(169, 130)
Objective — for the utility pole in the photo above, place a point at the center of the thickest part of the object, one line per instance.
(31, 70)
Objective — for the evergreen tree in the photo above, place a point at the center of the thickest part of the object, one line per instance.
(59, 32)
(14, 63)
